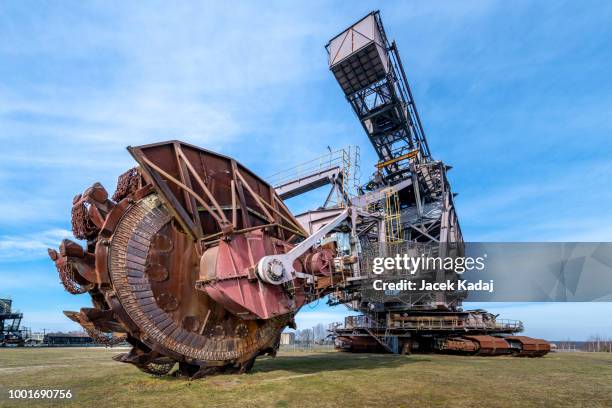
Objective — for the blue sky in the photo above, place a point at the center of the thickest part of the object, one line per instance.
(516, 96)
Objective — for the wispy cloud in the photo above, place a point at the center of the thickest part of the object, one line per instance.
(78, 91)
(548, 206)
(50, 321)
(515, 96)
(30, 246)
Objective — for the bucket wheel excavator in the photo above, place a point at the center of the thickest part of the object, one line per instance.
(197, 262)
(194, 260)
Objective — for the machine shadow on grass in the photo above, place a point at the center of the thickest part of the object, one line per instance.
(313, 363)
(319, 362)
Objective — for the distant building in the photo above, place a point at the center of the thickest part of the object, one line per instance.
(67, 339)
(31, 338)
(287, 338)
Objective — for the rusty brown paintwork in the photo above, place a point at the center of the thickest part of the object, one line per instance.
(151, 256)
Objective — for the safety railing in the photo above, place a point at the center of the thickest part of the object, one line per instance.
(435, 323)
(429, 323)
(345, 159)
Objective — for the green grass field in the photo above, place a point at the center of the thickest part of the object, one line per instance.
(317, 379)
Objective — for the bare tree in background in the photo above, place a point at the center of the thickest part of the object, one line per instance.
(319, 332)
(598, 343)
(304, 336)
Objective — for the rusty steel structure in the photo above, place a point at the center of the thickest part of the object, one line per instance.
(196, 261)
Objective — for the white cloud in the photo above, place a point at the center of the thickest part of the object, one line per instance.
(548, 206)
(30, 246)
(51, 321)
(203, 73)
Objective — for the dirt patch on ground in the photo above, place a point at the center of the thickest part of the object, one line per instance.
(289, 377)
(30, 368)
